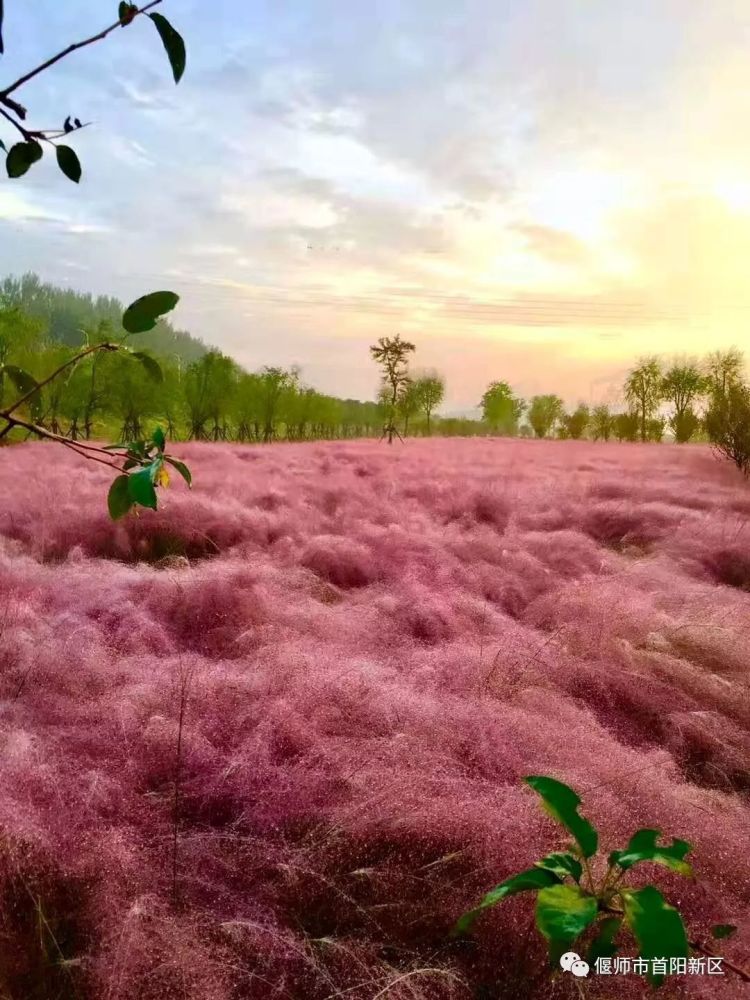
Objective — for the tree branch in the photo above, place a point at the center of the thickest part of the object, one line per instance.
(61, 55)
(106, 346)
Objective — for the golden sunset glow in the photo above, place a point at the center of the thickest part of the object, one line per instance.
(554, 187)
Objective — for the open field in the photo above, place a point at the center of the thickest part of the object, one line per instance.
(370, 648)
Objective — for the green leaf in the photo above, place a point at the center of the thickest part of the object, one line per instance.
(153, 368)
(142, 314)
(119, 500)
(158, 438)
(561, 802)
(141, 489)
(22, 156)
(533, 878)
(657, 926)
(643, 847)
(562, 865)
(562, 913)
(181, 468)
(720, 931)
(21, 379)
(2, 144)
(68, 162)
(603, 945)
(173, 44)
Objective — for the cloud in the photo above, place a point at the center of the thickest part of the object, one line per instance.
(524, 182)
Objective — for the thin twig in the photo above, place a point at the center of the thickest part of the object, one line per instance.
(15, 124)
(66, 52)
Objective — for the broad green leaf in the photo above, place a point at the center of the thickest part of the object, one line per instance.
(68, 162)
(142, 314)
(20, 378)
(158, 438)
(603, 945)
(643, 847)
(181, 468)
(152, 367)
(173, 44)
(533, 878)
(25, 384)
(720, 931)
(562, 864)
(657, 926)
(22, 156)
(119, 500)
(141, 489)
(561, 802)
(562, 913)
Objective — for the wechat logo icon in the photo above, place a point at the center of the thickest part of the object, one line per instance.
(571, 962)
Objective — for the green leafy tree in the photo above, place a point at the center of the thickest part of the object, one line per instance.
(274, 385)
(501, 409)
(655, 429)
(682, 385)
(598, 914)
(409, 404)
(643, 391)
(577, 422)
(392, 355)
(63, 313)
(430, 391)
(209, 385)
(728, 423)
(626, 426)
(723, 369)
(602, 423)
(544, 412)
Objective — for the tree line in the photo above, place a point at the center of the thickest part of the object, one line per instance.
(203, 394)
(682, 398)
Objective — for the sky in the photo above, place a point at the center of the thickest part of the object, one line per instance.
(537, 191)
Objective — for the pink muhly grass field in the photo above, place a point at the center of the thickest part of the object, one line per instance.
(374, 646)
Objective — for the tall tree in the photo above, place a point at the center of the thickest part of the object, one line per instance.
(544, 412)
(392, 354)
(408, 403)
(626, 426)
(643, 391)
(501, 409)
(209, 386)
(728, 423)
(430, 388)
(602, 423)
(575, 423)
(723, 369)
(682, 385)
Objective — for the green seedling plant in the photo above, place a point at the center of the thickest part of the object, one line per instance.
(142, 465)
(575, 907)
